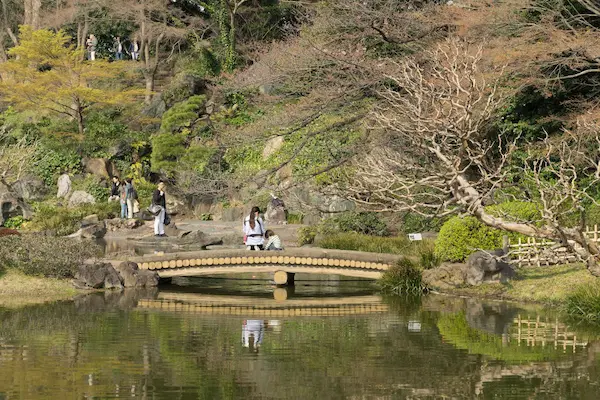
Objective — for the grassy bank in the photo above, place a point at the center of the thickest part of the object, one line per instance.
(18, 289)
(551, 285)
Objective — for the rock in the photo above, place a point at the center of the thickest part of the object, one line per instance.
(272, 146)
(199, 238)
(93, 230)
(132, 276)
(338, 204)
(233, 214)
(446, 276)
(12, 205)
(64, 186)
(128, 272)
(112, 279)
(80, 197)
(30, 188)
(156, 108)
(8, 232)
(97, 166)
(92, 276)
(90, 220)
(276, 212)
(175, 206)
(117, 224)
(487, 266)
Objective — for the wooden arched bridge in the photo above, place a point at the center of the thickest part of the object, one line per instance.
(295, 260)
(264, 308)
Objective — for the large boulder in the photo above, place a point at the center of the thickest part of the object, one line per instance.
(132, 276)
(112, 279)
(233, 214)
(175, 206)
(276, 212)
(98, 167)
(30, 188)
(199, 238)
(272, 146)
(64, 186)
(446, 276)
(11, 205)
(93, 230)
(80, 197)
(92, 276)
(488, 266)
(117, 224)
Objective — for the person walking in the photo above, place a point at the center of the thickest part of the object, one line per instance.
(131, 196)
(254, 230)
(159, 202)
(118, 48)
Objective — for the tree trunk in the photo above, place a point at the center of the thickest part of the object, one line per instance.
(32, 13)
(149, 77)
(7, 27)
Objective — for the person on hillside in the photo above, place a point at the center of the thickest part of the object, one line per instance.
(131, 196)
(134, 50)
(118, 49)
(254, 230)
(273, 241)
(114, 190)
(159, 200)
(91, 45)
(123, 199)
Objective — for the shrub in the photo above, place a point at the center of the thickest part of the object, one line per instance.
(584, 303)
(428, 258)
(402, 277)
(182, 115)
(94, 186)
(44, 255)
(366, 223)
(459, 237)
(167, 148)
(14, 222)
(306, 235)
(64, 221)
(295, 218)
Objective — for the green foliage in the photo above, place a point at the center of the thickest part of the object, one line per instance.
(307, 235)
(402, 278)
(428, 258)
(14, 222)
(167, 148)
(374, 244)
(459, 237)
(584, 303)
(104, 132)
(52, 162)
(94, 186)
(295, 218)
(366, 223)
(45, 256)
(144, 190)
(65, 221)
(197, 157)
(183, 115)
(413, 223)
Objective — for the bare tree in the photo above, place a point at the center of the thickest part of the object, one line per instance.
(437, 154)
(17, 156)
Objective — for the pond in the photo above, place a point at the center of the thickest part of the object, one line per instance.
(216, 338)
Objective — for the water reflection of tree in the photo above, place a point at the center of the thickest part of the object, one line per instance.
(201, 356)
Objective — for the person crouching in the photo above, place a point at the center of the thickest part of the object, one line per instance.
(254, 230)
(273, 241)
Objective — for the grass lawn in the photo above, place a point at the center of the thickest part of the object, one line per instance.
(549, 285)
(18, 290)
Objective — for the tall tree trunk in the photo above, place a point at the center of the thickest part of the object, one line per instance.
(32, 12)
(7, 27)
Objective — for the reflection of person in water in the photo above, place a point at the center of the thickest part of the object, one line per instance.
(252, 333)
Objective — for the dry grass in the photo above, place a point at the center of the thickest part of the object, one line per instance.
(18, 290)
(548, 285)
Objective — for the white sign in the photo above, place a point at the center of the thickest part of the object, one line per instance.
(414, 326)
(415, 236)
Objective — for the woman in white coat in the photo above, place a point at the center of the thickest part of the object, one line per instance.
(254, 230)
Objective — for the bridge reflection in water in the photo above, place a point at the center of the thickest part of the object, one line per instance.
(261, 307)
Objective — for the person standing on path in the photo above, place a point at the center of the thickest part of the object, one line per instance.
(118, 49)
(254, 230)
(159, 199)
(134, 50)
(131, 196)
(92, 43)
(123, 199)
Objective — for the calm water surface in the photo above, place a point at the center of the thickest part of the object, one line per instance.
(334, 339)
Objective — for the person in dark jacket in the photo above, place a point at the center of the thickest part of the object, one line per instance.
(159, 199)
(115, 189)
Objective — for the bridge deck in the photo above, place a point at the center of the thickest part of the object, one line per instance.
(307, 260)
